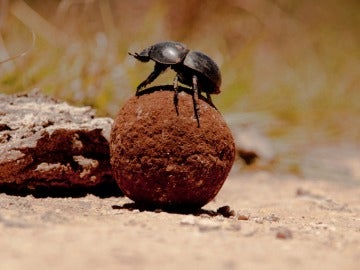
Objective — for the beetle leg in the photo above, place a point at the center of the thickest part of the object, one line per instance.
(176, 98)
(208, 97)
(158, 69)
(210, 100)
(196, 99)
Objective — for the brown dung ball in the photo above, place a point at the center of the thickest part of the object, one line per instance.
(161, 158)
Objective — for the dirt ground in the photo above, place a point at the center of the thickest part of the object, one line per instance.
(281, 222)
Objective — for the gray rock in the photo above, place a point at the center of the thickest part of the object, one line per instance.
(45, 143)
(252, 145)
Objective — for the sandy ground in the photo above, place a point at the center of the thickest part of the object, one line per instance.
(281, 222)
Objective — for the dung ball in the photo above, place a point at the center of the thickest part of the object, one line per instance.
(161, 158)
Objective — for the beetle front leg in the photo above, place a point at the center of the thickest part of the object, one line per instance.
(196, 99)
(158, 69)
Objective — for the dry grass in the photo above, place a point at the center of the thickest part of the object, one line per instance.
(297, 62)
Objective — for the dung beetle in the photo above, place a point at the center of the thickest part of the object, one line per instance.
(193, 68)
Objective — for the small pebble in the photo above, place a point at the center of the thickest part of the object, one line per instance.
(259, 220)
(283, 233)
(242, 217)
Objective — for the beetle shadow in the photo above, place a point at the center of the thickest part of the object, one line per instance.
(169, 87)
(173, 210)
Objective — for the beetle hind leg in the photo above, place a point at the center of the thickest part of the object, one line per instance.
(196, 99)
(209, 99)
(176, 93)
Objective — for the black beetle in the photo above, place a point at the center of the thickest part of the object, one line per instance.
(192, 68)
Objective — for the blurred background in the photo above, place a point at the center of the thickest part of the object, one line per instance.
(291, 69)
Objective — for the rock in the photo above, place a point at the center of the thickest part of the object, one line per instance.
(252, 145)
(47, 144)
(163, 158)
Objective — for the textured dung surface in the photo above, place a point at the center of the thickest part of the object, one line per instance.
(162, 158)
(48, 144)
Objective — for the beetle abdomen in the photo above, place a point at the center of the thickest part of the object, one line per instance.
(204, 65)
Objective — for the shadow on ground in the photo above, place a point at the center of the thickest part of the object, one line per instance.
(224, 211)
(105, 190)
